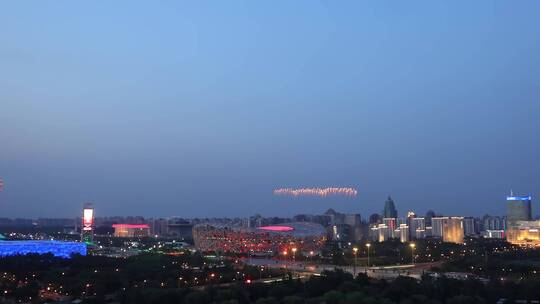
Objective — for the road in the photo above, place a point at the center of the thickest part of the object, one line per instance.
(383, 272)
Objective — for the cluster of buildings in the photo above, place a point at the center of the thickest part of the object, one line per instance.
(388, 226)
(517, 227)
(305, 233)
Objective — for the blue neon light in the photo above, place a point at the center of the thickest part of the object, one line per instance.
(57, 248)
(518, 198)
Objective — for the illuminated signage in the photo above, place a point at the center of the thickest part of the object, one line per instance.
(88, 217)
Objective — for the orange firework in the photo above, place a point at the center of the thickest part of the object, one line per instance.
(323, 192)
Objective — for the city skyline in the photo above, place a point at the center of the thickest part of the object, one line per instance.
(203, 109)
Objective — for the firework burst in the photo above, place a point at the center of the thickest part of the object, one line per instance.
(322, 192)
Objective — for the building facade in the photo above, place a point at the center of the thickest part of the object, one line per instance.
(131, 230)
(453, 231)
(518, 209)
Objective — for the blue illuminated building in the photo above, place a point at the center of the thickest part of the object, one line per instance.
(57, 248)
(518, 208)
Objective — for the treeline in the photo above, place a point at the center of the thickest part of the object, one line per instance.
(338, 287)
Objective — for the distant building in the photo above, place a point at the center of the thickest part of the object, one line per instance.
(524, 233)
(179, 228)
(494, 234)
(131, 230)
(341, 232)
(382, 232)
(518, 209)
(429, 214)
(453, 230)
(87, 229)
(493, 222)
(390, 223)
(437, 227)
(375, 218)
(403, 233)
(389, 210)
(418, 226)
(159, 227)
(354, 221)
(469, 226)
(520, 229)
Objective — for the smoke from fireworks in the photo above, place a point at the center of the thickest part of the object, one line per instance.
(323, 192)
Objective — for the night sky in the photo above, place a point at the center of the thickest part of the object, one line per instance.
(204, 108)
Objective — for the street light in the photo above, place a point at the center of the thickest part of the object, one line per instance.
(355, 251)
(413, 245)
(368, 245)
(294, 255)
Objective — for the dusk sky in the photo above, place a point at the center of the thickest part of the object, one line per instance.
(202, 108)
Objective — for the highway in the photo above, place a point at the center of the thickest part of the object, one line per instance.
(382, 272)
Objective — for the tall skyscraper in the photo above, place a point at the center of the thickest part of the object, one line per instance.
(389, 209)
(518, 209)
(87, 230)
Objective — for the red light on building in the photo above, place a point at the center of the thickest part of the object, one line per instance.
(131, 226)
(277, 228)
(131, 230)
(87, 233)
(88, 217)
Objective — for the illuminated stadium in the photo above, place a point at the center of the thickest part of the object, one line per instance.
(57, 248)
(303, 236)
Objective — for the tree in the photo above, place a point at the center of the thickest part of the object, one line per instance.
(461, 299)
(269, 300)
(334, 297)
(198, 297)
(293, 300)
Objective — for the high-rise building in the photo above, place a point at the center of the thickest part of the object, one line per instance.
(453, 230)
(437, 226)
(469, 226)
(493, 222)
(87, 230)
(518, 209)
(520, 228)
(389, 209)
(418, 227)
(403, 233)
(355, 222)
